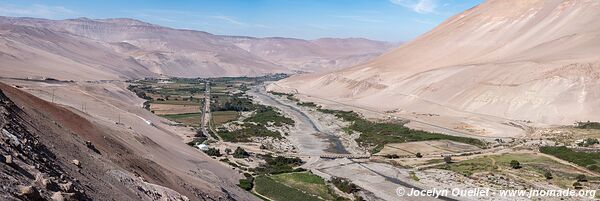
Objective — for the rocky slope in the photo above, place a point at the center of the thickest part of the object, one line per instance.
(533, 60)
(49, 152)
(83, 49)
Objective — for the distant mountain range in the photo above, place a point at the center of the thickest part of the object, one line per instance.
(92, 49)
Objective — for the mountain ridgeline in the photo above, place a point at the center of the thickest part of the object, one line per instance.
(87, 49)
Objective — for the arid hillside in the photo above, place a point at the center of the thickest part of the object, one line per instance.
(84, 49)
(527, 60)
(50, 151)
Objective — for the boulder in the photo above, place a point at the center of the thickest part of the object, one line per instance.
(57, 196)
(29, 192)
(66, 187)
(8, 159)
(76, 163)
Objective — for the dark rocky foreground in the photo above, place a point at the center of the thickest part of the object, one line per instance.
(49, 152)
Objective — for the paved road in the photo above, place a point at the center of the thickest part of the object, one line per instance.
(205, 121)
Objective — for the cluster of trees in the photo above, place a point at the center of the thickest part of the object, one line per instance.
(235, 103)
(588, 142)
(247, 183)
(240, 153)
(249, 130)
(266, 114)
(344, 185)
(279, 164)
(588, 125)
(213, 152)
(377, 134)
(140, 91)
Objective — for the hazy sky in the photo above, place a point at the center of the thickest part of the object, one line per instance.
(390, 20)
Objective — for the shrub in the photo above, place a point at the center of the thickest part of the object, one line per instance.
(418, 155)
(515, 164)
(247, 183)
(577, 185)
(213, 152)
(344, 185)
(240, 153)
(588, 142)
(197, 140)
(548, 175)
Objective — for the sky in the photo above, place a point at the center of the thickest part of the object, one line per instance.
(386, 20)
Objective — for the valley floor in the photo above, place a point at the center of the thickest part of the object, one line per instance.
(314, 135)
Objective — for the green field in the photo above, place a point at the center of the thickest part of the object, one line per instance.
(306, 182)
(588, 160)
(280, 192)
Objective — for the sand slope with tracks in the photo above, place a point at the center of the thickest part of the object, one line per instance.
(529, 60)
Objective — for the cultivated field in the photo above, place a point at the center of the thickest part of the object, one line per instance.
(164, 109)
(220, 117)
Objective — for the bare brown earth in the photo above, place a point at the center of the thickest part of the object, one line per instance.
(525, 60)
(109, 49)
(160, 109)
(120, 164)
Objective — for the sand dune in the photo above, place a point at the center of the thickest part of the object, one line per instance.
(534, 60)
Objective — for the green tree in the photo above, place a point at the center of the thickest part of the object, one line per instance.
(548, 175)
(577, 185)
(247, 184)
(240, 153)
(213, 152)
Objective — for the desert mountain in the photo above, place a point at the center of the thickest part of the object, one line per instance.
(83, 49)
(534, 60)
